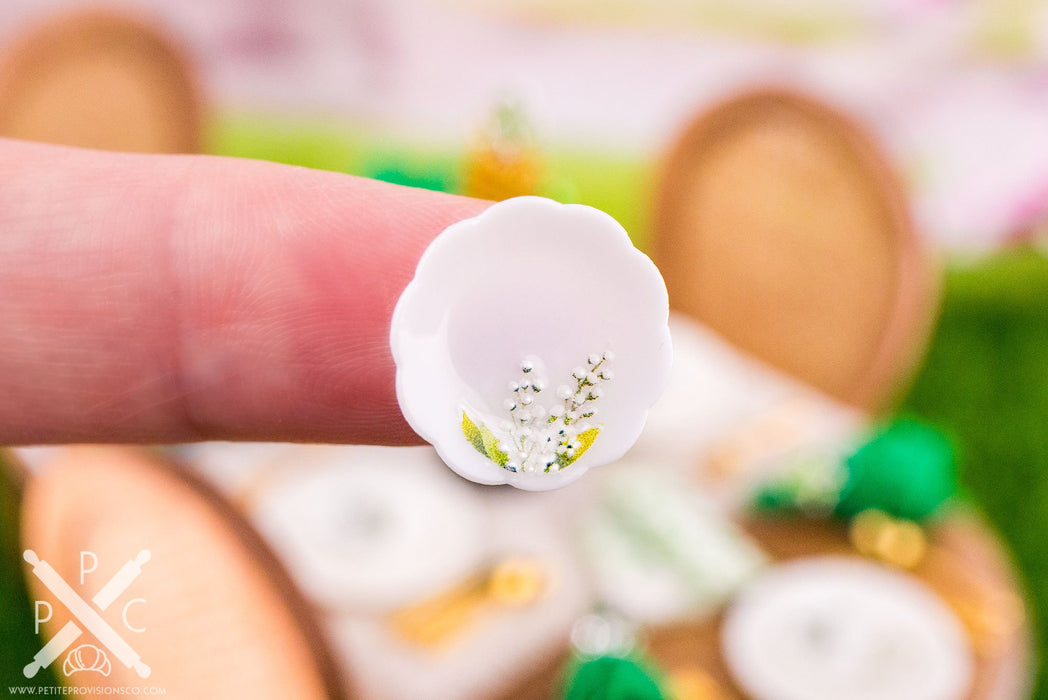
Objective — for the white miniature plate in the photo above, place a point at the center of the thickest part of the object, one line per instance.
(836, 628)
(531, 343)
(370, 528)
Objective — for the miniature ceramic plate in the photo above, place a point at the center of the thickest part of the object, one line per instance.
(531, 343)
(836, 628)
(370, 528)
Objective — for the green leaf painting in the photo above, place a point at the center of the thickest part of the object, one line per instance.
(586, 439)
(483, 440)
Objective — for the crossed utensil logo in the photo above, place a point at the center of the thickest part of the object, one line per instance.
(86, 615)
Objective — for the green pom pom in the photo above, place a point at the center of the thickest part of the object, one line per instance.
(907, 469)
(612, 678)
(411, 176)
(775, 498)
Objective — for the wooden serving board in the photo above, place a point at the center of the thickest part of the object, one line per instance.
(99, 79)
(779, 225)
(221, 617)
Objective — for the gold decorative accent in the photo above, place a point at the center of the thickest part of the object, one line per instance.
(439, 620)
(692, 683)
(516, 582)
(900, 543)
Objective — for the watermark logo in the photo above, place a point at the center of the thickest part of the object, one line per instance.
(86, 657)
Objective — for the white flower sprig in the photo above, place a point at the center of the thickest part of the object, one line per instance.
(535, 438)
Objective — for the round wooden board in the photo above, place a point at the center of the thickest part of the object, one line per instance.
(99, 79)
(964, 565)
(779, 225)
(222, 618)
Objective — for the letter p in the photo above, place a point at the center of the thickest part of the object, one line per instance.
(37, 619)
(84, 556)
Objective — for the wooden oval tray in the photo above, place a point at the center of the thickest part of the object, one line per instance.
(779, 225)
(221, 617)
(99, 79)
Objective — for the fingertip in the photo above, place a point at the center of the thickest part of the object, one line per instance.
(172, 298)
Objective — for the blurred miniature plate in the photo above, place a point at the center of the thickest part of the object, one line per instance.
(370, 528)
(837, 628)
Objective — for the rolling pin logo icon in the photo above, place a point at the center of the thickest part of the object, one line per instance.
(85, 615)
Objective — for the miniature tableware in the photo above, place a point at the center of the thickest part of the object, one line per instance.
(836, 628)
(659, 551)
(531, 343)
(369, 528)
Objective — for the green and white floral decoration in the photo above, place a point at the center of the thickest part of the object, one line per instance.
(536, 438)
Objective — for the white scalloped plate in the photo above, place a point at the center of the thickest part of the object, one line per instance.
(837, 628)
(559, 288)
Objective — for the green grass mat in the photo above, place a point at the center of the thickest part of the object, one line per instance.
(985, 380)
(18, 642)
(618, 184)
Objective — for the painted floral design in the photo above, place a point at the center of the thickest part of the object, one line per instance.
(535, 437)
